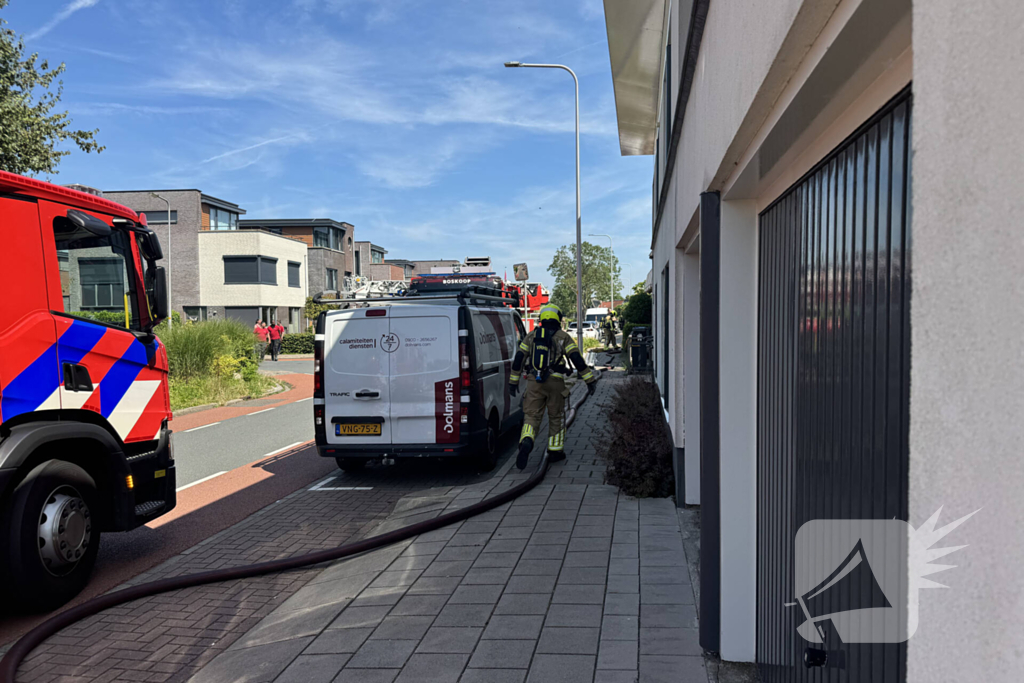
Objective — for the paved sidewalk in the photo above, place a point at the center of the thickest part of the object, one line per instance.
(570, 582)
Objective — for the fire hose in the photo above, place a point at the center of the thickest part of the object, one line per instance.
(28, 642)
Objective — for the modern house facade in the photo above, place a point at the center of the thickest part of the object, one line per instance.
(370, 263)
(217, 270)
(835, 278)
(330, 246)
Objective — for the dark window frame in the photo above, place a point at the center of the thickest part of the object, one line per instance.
(298, 274)
(327, 279)
(155, 218)
(259, 269)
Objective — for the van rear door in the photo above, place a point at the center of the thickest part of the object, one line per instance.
(424, 374)
(357, 394)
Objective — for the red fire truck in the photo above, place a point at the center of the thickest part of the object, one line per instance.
(84, 405)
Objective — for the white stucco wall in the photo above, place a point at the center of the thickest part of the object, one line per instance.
(215, 245)
(967, 364)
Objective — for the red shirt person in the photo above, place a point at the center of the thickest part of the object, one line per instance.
(275, 330)
(262, 332)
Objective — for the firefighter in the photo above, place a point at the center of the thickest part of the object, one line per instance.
(542, 357)
(608, 331)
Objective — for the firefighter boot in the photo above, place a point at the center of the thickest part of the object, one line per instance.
(525, 446)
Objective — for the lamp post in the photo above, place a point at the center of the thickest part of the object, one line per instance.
(611, 269)
(579, 221)
(170, 308)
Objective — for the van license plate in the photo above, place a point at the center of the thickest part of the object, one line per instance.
(358, 429)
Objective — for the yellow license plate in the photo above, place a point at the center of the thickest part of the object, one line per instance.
(358, 429)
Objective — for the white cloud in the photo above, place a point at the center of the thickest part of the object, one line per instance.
(67, 11)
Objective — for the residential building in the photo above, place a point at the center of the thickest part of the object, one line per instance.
(833, 179)
(408, 267)
(424, 267)
(369, 262)
(330, 249)
(217, 270)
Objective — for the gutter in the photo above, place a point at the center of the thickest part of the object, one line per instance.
(694, 36)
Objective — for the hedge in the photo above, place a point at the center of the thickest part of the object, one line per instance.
(297, 343)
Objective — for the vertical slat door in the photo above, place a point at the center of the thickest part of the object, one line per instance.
(833, 378)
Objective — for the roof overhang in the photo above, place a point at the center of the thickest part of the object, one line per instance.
(636, 48)
(221, 204)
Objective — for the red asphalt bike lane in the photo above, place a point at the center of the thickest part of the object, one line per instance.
(202, 510)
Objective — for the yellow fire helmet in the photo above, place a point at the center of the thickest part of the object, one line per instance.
(550, 312)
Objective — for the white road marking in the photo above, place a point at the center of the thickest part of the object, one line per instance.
(200, 481)
(261, 411)
(319, 486)
(202, 427)
(281, 450)
(308, 398)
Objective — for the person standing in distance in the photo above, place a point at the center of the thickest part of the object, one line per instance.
(275, 340)
(541, 357)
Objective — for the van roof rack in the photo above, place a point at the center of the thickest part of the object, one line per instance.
(463, 294)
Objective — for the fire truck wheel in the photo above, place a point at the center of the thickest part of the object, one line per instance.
(488, 458)
(350, 464)
(49, 537)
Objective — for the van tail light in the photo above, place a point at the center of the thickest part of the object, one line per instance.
(463, 413)
(318, 366)
(464, 366)
(318, 416)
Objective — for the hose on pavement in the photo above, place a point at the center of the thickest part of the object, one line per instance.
(28, 642)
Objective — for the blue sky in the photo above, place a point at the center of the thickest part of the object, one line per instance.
(394, 115)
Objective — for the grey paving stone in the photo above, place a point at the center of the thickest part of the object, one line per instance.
(433, 668)
(493, 676)
(587, 559)
(417, 605)
(514, 627)
(313, 669)
(456, 553)
(619, 627)
(497, 560)
(550, 537)
(435, 585)
(382, 654)
(664, 575)
(627, 604)
(618, 654)
(464, 615)
(587, 518)
(579, 594)
(554, 526)
(554, 514)
(372, 597)
(512, 532)
(478, 594)
(544, 552)
(371, 562)
(563, 504)
(625, 536)
(670, 641)
(523, 603)
(592, 532)
(624, 565)
(573, 615)
(425, 548)
(450, 639)
(487, 575)
(358, 617)
(530, 584)
(582, 575)
(662, 669)
(512, 545)
(388, 579)
(469, 539)
(498, 654)
(520, 520)
(666, 594)
(366, 676)
(568, 640)
(257, 664)
(668, 616)
(623, 583)
(662, 559)
(280, 625)
(472, 526)
(318, 594)
(624, 550)
(538, 567)
(562, 668)
(614, 676)
(448, 568)
(402, 628)
(590, 544)
(338, 641)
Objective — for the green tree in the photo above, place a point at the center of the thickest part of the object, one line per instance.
(30, 131)
(596, 277)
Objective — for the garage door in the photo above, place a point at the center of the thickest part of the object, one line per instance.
(833, 385)
(245, 315)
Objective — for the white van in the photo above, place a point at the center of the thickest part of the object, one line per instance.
(420, 379)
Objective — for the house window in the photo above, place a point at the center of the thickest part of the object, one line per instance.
(329, 237)
(195, 313)
(332, 279)
(102, 283)
(376, 256)
(250, 270)
(358, 270)
(294, 316)
(294, 273)
(321, 238)
(160, 217)
(222, 220)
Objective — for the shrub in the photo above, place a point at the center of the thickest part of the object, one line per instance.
(192, 349)
(637, 311)
(297, 343)
(590, 343)
(639, 450)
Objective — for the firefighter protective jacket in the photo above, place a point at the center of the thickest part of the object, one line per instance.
(560, 345)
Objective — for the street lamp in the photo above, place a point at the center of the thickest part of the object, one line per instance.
(579, 221)
(170, 308)
(611, 269)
